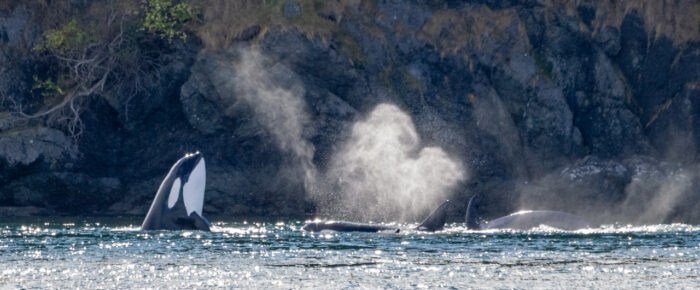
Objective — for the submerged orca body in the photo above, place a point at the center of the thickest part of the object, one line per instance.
(434, 222)
(343, 226)
(524, 220)
(180, 198)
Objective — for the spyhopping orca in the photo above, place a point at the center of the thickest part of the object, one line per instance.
(180, 198)
(434, 222)
(524, 220)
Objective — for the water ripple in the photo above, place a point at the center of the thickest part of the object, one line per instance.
(114, 253)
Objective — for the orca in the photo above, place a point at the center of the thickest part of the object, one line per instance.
(434, 222)
(345, 226)
(524, 220)
(180, 198)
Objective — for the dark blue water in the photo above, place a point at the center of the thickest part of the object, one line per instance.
(114, 253)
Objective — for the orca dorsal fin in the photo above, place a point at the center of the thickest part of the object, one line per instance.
(436, 220)
(472, 216)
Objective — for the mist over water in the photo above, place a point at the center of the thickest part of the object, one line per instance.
(382, 173)
(653, 201)
(608, 191)
(276, 97)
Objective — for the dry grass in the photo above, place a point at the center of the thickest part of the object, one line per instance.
(678, 20)
(224, 20)
(48, 14)
(349, 45)
(54, 14)
(659, 109)
(8, 5)
(467, 28)
(470, 27)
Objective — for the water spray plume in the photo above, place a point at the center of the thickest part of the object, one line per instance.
(382, 173)
(276, 97)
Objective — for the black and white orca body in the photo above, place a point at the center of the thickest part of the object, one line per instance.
(434, 222)
(180, 198)
(524, 220)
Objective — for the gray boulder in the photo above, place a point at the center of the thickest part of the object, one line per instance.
(22, 147)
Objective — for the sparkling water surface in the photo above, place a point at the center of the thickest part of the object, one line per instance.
(111, 253)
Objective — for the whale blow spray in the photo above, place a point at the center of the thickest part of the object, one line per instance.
(276, 96)
(382, 173)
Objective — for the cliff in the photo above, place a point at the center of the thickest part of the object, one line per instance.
(590, 107)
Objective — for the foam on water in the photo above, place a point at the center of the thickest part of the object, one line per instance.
(280, 255)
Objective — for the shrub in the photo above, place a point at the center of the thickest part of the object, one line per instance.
(48, 88)
(166, 18)
(69, 37)
(105, 52)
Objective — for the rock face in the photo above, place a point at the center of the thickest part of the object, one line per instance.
(591, 109)
(26, 146)
(291, 9)
(25, 150)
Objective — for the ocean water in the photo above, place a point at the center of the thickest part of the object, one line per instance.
(113, 253)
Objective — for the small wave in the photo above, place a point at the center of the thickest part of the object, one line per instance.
(323, 265)
(659, 228)
(126, 229)
(603, 229)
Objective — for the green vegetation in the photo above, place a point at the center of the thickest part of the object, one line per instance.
(48, 88)
(70, 36)
(166, 18)
(113, 49)
(106, 49)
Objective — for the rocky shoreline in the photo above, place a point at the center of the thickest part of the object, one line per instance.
(591, 109)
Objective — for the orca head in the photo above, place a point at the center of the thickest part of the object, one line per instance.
(190, 180)
(188, 163)
(311, 227)
(180, 197)
(472, 217)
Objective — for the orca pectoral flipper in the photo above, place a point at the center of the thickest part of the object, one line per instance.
(436, 220)
(200, 222)
(192, 222)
